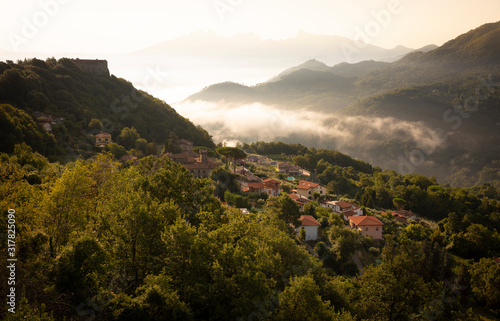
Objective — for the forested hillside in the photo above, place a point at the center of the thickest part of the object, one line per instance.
(96, 239)
(58, 88)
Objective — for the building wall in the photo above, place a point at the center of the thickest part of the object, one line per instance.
(310, 192)
(371, 231)
(201, 173)
(311, 232)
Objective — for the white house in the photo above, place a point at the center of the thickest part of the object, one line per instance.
(347, 209)
(310, 225)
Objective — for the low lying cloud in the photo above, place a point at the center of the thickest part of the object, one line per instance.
(359, 136)
(252, 122)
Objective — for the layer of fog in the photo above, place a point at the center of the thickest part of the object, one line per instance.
(381, 141)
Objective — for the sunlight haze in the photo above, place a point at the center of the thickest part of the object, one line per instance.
(126, 26)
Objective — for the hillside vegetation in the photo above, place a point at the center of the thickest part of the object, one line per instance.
(148, 241)
(60, 89)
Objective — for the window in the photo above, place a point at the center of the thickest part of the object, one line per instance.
(366, 229)
(376, 229)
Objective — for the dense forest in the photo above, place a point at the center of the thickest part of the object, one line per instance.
(100, 239)
(85, 103)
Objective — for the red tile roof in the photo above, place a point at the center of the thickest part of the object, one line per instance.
(256, 185)
(308, 220)
(343, 204)
(103, 135)
(306, 185)
(366, 221)
(349, 213)
(299, 198)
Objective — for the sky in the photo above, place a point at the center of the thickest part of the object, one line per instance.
(114, 27)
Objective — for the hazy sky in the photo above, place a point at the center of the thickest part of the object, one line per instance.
(92, 26)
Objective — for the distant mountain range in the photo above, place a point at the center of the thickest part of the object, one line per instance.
(254, 50)
(453, 88)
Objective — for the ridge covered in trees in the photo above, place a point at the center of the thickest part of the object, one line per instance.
(86, 103)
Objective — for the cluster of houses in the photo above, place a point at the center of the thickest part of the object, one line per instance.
(352, 214)
(201, 166)
(292, 170)
(198, 164)
(47, 121)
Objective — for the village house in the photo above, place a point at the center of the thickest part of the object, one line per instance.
(307, 189)
(261, 160)
(268, 186)
(186, 145)
(183, 158)
(102, 139)
(202, 166)
(367, 226)
(347, 209)
(46, 121)
(247, 175)
(311, 227)
(299, 199)
(398, 217)
(289, 169)
(327, 204)
(407, 214)
(198, 164)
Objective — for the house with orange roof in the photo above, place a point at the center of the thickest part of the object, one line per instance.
(347, 209)
(268, 186)
(367, 226)
(307, 189)
(300, 200)
(310, 225)
(198, 165)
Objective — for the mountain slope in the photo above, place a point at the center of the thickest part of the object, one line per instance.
(386, 113)
(60, 89)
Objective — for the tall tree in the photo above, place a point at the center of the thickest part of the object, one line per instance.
(172, 144)
(233, 153)
(128, 137)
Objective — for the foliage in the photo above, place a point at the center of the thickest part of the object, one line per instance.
(105, 103)
(149, 241)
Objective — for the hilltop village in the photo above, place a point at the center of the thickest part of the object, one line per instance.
(259, 177)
